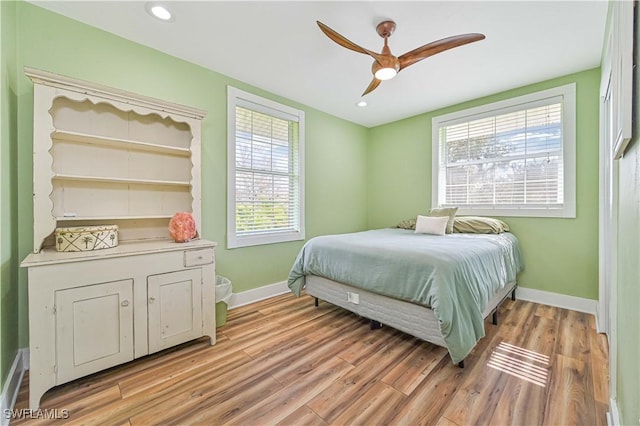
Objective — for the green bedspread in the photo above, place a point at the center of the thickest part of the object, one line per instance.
(455, 274)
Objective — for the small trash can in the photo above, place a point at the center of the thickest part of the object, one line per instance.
(223, 295)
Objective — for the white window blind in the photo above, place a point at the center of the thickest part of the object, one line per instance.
(266, 172)
(507, 161)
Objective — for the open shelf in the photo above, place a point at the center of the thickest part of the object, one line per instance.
(119, 143)
(102, 156)
(112, 217)
(67, 177)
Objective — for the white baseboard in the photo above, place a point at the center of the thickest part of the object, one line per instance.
(25, 358)
(613, 416)
(579, 304)
(558, 300)
(600, 320)
(257, 294)
(12, 385)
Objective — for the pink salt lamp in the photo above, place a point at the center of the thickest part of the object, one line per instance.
(182, 227)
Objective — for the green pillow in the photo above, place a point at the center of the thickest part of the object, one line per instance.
(407, 224)
(445, 211)
(479, 225)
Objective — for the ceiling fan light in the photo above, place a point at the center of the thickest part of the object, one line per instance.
(386, 73)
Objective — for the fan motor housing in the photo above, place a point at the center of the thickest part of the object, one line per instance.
(386, 28)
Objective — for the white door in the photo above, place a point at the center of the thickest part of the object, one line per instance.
(608, 232)
(94, 328)
(174, 308)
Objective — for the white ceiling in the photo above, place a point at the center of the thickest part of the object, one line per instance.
(277, 46)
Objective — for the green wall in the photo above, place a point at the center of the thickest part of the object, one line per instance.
(8, 192)
(335, 149)
(628, 285)
(561, 255)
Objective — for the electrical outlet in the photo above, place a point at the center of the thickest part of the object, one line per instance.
(353, 298)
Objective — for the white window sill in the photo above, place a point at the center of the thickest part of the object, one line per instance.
(566, 213)
(234, 241)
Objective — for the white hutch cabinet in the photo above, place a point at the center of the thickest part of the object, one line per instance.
(103, 156)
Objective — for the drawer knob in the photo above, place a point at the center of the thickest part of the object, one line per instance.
(124, 303)
(152, 299)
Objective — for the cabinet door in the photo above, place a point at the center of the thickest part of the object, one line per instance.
(94, 328)
(174, 308)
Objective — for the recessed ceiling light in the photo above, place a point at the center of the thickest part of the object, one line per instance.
(361, 104)
(159, 11)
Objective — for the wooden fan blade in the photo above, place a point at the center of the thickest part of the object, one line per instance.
(344, 42)
(372, 86)
(432, 48)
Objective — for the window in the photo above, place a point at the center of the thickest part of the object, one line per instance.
(266, 171)
(509, 158)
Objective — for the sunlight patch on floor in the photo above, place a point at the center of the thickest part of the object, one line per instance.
(522, 363)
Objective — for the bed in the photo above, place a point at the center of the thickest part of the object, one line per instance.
(437, 288)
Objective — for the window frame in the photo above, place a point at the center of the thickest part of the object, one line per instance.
(568, 94)
(237, 97)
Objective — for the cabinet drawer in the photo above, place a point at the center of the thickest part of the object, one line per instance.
(198, 257)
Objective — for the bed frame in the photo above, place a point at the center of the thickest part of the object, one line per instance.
(417, 320)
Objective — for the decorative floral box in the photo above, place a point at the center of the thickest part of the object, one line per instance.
(86, 238)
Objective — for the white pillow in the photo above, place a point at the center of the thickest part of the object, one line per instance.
(431, 225)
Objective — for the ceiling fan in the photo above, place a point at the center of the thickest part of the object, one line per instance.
(385, 65)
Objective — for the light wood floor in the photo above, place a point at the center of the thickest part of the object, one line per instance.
(284, 361)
